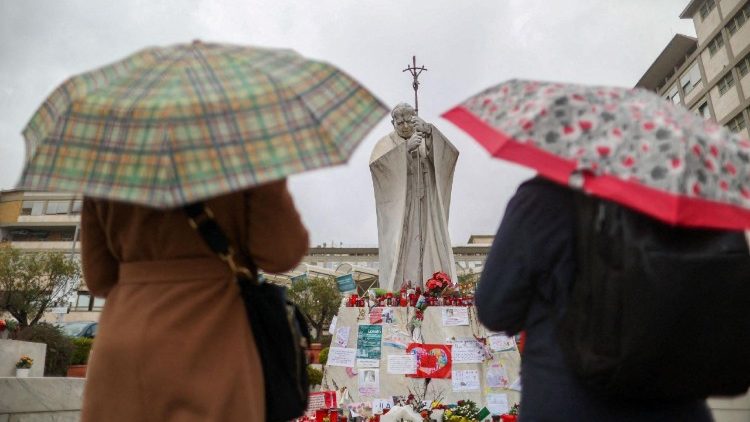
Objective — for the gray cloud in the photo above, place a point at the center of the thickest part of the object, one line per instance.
(466, 45)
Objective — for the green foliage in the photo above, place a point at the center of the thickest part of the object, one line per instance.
(315, 375)
(319, 300)
(323, 356)
(379, 292)
(467, 283)
(81, 350)
(59, 346)
(326, 340)
(31, 281)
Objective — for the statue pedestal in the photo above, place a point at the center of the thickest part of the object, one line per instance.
(397, 335)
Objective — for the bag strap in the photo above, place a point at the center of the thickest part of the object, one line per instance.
(201, 219)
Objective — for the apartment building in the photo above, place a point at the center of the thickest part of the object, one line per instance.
(45, 221)
(709, 74)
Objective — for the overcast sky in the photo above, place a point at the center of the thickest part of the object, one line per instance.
(466, 45)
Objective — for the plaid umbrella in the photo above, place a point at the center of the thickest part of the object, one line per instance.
(174, 125)
(627, 145)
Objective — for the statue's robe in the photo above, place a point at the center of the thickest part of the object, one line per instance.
(397, 201)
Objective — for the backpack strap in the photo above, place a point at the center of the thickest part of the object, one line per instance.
(201, 219)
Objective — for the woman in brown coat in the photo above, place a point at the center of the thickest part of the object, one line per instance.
(174, 343)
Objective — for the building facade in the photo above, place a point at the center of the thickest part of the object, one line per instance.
(710, 74)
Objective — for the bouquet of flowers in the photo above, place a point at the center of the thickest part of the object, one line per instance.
(464, 411)
(437, 283)
(25, 362)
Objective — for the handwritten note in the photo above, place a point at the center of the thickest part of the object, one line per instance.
(341, 356)
(402, 364)
(465, 380)
(468, 351)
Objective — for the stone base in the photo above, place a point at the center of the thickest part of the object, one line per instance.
(40, 399)
(433, 331)
(12, 350)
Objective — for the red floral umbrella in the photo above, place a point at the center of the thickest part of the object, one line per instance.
(627, 145)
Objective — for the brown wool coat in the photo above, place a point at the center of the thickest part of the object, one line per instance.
(174, 343)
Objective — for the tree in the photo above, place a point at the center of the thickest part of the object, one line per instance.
(31, 281)
(319, 299)
(467, 283)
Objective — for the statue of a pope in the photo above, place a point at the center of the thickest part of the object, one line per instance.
(412, 174)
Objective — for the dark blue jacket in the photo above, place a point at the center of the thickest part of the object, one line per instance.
(525, 285)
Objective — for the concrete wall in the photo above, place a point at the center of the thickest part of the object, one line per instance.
(703, 27)
(725, 104)
(739, 40)
(40, 399)
(12, 350)
(727, 6)
(714, 65)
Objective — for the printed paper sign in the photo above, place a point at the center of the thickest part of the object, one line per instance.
(368, 363)
(378, 405)
(332, 325)
(433, 360)
(465, 380)
(342, 337)
(345, 283)
(402, 364)
(498, 403)
(322, 400)
(368, 341)
(369, 382)
(376, 315)
(341, 356)
(497, 376)
(455, 315)
(467, 351)
(501, 343)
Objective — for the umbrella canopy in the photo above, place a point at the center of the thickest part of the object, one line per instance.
(627, 145)
(174, 125)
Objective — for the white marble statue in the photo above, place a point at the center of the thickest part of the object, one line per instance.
(412, 174)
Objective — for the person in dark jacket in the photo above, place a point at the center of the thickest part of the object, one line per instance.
(524, 286)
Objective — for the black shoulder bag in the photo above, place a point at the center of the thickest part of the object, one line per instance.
(281, 333)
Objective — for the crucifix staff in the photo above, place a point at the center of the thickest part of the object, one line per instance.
(415, 71)
(419, 188)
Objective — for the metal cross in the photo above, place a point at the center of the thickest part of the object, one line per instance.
(415, 71)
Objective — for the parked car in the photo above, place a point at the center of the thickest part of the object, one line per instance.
(79, 328)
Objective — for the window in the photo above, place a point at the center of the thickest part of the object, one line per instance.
(32, 207)
(691, 78)
(715, 44)
(725, 83)
(744, 66)
(77, 207)
(98, 304)
(703, 111)
(706, 8)
(83, 301)
(57, 207)
(674, 95)
(739, 19)
(736, 124)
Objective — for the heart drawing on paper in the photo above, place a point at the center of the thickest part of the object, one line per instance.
(432, 359)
